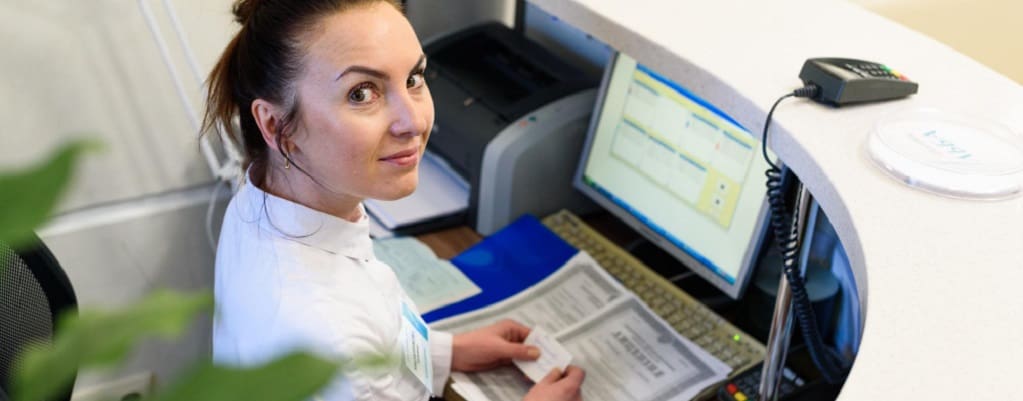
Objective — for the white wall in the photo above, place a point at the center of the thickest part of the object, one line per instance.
(90, 68)
(988, 31)
(133, 221)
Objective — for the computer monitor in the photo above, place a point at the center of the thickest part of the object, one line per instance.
(678, 170)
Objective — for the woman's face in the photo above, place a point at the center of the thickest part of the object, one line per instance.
(365, 112)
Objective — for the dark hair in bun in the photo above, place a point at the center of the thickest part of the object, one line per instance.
(243, 10)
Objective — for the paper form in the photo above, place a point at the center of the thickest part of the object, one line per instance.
(627, 351)
(552, 355)
(578, 289)
(430, 282)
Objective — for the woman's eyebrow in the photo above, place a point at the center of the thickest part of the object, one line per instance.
(377, 73)
(419, 64)
(364, 70)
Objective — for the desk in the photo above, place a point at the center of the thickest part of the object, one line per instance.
(939, 278)
(449, 242)
(497, 265)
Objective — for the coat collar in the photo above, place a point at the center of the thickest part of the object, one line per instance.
(296, 222)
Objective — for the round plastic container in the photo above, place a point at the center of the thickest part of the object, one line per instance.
(949, 154)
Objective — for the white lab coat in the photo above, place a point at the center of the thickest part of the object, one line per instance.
(289, 277)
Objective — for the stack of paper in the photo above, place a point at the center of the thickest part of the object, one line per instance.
(627, 351)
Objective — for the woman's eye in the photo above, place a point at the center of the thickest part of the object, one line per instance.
(415, 80)
(362, 94)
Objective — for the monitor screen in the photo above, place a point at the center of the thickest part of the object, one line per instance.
(678, 170)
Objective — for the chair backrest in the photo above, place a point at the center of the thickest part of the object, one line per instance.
(34, 291)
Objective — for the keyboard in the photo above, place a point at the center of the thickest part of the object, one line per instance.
(688, 316)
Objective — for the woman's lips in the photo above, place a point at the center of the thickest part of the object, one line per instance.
(403, 158)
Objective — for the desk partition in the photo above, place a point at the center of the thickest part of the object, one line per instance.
(938, 277)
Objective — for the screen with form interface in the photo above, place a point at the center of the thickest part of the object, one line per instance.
(683, 173)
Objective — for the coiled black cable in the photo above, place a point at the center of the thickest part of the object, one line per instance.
(832, 366)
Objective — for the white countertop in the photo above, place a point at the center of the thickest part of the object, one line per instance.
(939, 278)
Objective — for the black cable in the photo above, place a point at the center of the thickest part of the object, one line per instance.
(831, 365)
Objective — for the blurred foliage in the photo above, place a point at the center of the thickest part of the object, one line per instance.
(293, 377)
(103, 339)
(29, 196)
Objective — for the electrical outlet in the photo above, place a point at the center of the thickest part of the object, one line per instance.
(127, 388)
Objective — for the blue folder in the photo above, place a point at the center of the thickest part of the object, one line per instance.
(518, 256)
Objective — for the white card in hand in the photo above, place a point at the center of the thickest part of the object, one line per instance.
(552, 355)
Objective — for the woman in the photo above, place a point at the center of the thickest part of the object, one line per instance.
(333, 109)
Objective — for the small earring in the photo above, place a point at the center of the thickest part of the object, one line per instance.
(287, 164)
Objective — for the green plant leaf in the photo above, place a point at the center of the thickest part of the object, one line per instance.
(97, 339)
(294, 377)
(30, 195)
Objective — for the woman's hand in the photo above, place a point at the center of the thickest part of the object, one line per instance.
(558, 387)
(491, 346)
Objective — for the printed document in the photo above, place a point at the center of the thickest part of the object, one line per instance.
(578, 289)
(627, 351)
(431, 282)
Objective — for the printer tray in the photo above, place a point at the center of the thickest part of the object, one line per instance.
(432, 224)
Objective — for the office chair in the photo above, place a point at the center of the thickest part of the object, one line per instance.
(34, 291)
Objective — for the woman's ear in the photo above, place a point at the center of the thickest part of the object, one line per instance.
(268, 118)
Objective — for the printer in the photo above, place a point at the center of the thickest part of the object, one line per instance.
(510, 118)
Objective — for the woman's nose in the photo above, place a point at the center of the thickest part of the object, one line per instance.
(410, 115)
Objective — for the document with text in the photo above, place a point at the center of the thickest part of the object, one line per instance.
(627, 351)
(431, 282)
(578, 289)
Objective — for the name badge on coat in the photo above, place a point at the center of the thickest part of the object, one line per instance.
(415, 346)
